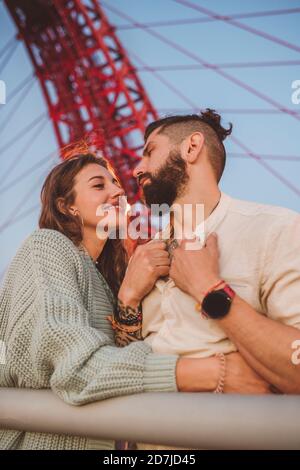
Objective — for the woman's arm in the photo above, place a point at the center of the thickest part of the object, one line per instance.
(127, 323)
(148, 263)
(61, 350)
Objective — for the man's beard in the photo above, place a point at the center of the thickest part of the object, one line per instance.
(169, 181)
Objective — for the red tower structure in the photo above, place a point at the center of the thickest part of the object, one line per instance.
(86, 77)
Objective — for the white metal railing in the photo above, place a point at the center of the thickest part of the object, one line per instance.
(191, 420)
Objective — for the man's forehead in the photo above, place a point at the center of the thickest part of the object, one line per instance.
(155, 136)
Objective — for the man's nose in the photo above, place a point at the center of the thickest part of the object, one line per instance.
(139, 169)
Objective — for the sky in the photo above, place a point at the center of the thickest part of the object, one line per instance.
(264, 166)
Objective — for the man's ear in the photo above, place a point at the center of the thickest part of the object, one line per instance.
(193, 146)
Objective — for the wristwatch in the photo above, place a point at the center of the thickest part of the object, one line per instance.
(216, 304)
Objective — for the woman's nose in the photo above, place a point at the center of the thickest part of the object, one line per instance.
(117, 192)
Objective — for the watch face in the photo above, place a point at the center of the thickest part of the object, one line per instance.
(216, 304)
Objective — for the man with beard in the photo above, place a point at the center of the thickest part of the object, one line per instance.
(240, 290)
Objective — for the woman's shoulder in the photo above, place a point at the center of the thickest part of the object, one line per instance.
(45, 241)
(47, 260)
(49, 235)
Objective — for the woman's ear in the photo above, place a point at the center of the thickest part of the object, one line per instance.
(61, 206)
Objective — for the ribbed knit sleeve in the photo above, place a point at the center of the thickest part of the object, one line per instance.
(82, 362)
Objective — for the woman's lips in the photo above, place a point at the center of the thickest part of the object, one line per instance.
(119, 205)
(108, 207)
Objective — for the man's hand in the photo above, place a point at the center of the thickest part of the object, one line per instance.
(195, 271)
(241, 378)
(149, 262)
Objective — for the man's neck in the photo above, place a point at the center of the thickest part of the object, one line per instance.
(193, 209)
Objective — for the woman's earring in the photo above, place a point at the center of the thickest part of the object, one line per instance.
(78, 213)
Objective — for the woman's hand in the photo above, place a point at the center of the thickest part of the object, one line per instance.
(202, 375)
(149, 262)
(196, 270)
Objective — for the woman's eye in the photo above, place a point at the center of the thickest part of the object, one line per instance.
(100, 186)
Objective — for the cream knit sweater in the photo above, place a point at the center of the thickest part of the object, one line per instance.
(53, 309)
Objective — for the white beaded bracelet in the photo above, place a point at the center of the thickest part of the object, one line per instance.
(221, 382)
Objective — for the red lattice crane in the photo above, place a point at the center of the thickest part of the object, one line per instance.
(86, 78)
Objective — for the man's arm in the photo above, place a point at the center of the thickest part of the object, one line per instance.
(265, 344)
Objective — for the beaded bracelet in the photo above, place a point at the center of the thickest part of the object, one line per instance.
(221, 382)
(127, 315)
(116, 326)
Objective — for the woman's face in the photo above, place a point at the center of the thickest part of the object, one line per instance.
(99, 198)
